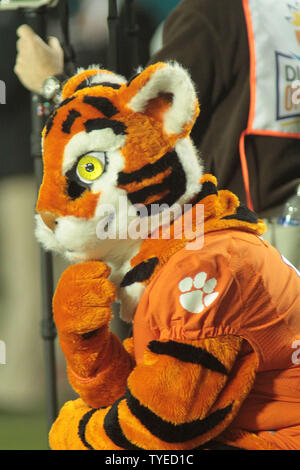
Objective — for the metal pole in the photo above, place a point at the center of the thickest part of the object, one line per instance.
(37, 20)
(113, 30)
(69, 54)
(132, 30)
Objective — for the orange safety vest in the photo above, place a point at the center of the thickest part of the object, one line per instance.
(274, 45)
(237, 284)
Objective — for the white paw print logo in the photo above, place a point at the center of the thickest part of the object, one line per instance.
(196, 300)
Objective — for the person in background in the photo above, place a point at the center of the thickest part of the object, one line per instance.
(217, 45)
(36, 60)
(21, 380)
(212, 43)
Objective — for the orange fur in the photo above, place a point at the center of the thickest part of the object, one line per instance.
(138, 83)
(146, 141)
(82, 304)
(181, 389)
(108, 383)
(147, 181)
(73, 82)
(156, 197)
(215, 208)
(152, 384)
(100, 368)
(246, 440)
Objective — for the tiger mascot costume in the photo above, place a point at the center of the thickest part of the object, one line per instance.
(213, 310)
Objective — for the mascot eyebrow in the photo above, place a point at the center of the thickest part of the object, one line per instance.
(68, 122)
(102, 123)
(50, 120)
(102, 104)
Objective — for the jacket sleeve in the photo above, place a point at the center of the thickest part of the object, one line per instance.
(181, 396)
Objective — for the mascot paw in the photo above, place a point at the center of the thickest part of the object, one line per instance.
(64, 431)
(82, 301)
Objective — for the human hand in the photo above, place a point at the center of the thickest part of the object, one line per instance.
(37, 60)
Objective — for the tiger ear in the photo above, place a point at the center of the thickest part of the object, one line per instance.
(165, 90)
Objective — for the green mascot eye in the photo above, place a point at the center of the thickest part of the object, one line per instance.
(90, 168)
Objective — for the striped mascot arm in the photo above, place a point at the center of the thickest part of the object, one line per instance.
(98, 363)
(183, 395)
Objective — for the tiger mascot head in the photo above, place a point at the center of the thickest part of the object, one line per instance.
(112, 141)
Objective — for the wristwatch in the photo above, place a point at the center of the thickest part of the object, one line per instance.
(52, 86)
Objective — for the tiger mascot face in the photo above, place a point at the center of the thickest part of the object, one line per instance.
(110, 141)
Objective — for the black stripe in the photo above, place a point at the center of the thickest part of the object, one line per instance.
(115, 86)
(139, 273)
(102, 123)
(113, 429)
(50, 122)
(66, 101)
(170, 432)
(160, 205)
(87, 84)
(70, 119)
(188, 353)
(141, 195)
(82, 426)
(244, 214)
(102, 104)
(132, 78)
(208, 188)
(147, 171)
(75, 188)
(90, 334)
(175, 183)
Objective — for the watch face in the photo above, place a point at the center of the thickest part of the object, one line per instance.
(50, 87)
